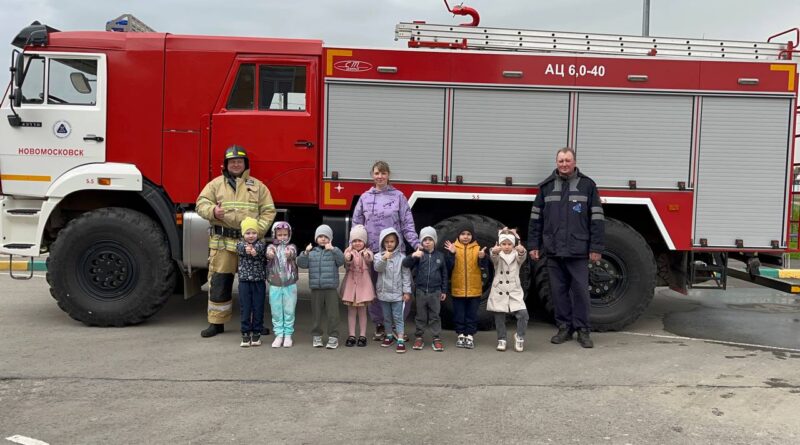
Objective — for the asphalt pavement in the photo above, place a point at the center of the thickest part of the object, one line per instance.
(710, 367)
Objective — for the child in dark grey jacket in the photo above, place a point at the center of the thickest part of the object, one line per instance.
(323, 262)
(429, 270)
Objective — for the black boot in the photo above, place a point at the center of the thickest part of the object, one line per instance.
(563, 334)
(212, 330)
(584, 340)
(265, 331)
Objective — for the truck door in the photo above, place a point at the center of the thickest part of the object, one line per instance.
(271, 108)
(63, 113)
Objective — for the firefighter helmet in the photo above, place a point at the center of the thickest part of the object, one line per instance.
(236, 152)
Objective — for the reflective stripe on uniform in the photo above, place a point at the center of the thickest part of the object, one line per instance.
(552, 198)
(579, 198)
(597, 216)
(597, 210)
(239, 205)
(220, 307)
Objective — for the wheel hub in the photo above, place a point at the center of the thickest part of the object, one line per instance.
(106, 271)
(606, 279)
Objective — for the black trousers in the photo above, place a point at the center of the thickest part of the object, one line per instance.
(569, 286)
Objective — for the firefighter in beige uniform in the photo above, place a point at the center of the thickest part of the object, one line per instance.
(225, 202)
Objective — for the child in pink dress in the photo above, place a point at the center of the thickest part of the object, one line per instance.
(357, 290)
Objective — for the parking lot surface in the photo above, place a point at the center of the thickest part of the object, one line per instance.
(711, 367)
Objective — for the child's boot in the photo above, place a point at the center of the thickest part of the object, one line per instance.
(255, 339)
(287, 341)
(501, 345)
(460, 341)
(278, 342)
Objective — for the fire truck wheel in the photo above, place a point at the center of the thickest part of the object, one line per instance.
(622, 284)
(541, 304)
(486, 234)
(111, 267)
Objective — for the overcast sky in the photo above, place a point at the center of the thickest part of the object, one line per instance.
(371, 22)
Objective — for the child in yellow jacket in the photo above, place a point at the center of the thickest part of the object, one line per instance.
(465, 260)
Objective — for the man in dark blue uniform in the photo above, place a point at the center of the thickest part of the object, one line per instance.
(566, 228)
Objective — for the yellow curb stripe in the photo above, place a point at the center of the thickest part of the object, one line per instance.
(15, 265)
(789, 273)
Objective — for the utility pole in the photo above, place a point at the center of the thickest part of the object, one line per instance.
(646, 18)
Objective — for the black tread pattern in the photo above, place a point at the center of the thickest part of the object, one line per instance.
(147, 297)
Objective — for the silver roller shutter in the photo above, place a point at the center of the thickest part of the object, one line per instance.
(401, 125)
(641, 137)
(741, 176)
(507, 133)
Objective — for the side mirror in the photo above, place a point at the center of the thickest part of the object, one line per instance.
(19, 70)
(80, 82)
(16, 97)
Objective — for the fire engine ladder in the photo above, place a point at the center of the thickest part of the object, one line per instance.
(421, 34)
(127, 23)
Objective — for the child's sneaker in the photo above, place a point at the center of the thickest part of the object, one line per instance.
(351, 341)
(317, 341)
(278, 342)
(469, 342)
(380, 333)
(287, 341)
(460, 341)
(333, 343)
(245, 340)
(519, 343)
(501, 345)
(401, 347)
(255, 339)
(419, 343)
(437, 345)
(387, 341)
(362, 342)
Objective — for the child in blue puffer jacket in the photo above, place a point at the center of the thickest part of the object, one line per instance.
(323, 262)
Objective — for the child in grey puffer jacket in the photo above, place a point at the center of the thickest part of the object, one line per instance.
(393, 285)
(323, 262)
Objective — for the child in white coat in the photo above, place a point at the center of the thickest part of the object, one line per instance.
(507, 296)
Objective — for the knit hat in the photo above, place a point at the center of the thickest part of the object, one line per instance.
(358, 232)
(249, 223)
(428, 232)
(465, 226)
(324, 229)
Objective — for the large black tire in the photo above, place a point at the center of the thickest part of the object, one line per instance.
(111, 267)
(541, 304)
(486, 235)
(622, 285)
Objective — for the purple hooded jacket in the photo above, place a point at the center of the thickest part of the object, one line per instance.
(380, 209)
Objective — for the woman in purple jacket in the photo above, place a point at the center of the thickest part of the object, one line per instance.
(380, 207)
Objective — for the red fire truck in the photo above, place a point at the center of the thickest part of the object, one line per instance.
(111, 136)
